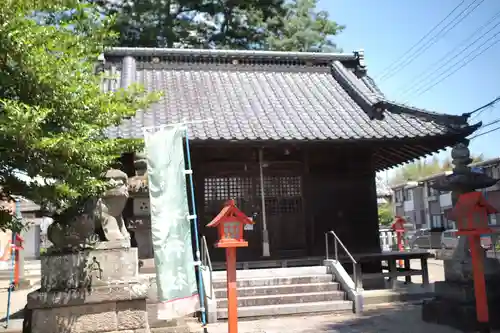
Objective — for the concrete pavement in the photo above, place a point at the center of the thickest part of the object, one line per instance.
(18, 302)
(393, 318)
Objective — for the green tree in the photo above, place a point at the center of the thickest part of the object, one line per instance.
(385, 214)
(304, 28)
(53, 112)
(223, 24)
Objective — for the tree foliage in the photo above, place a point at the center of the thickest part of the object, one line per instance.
(424, 168)
(227, 24)
(223, 24)
(53, 111)
(304, 28)
(385, 214)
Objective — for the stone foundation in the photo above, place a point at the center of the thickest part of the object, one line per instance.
(116, 309)
(455, 302)
(461, 316)
(91, 291)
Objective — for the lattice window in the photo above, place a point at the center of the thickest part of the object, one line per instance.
(220, 189)
(281, 186)
(283, 195)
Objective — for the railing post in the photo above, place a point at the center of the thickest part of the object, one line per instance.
(358, 280)
(336, 250)
(355, 276)
(326, 244)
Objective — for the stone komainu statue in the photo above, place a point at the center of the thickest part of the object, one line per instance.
(110, 206)
(103, 213)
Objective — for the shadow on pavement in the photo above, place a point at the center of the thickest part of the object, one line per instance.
(394, 318)
(16, 315)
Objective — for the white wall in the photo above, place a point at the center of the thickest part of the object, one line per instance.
(445, 200)
(409, 206)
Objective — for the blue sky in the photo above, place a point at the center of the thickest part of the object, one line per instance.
(385, 29)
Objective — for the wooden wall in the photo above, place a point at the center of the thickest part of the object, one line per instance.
(338, 191)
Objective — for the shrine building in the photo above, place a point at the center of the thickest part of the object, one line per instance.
(315, 124)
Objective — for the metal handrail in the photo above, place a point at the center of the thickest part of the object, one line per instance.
(205, 261)
(338, 241)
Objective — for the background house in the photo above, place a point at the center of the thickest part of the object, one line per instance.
(425, 207)
(31, 213)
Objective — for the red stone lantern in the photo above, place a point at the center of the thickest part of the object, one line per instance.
(471, 214)
(399, 228)
(16, 248)
(230, 223)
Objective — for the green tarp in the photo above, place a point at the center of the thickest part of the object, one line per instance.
(170, 225)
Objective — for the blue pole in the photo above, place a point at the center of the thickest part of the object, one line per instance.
(13, 262)
(197, 241)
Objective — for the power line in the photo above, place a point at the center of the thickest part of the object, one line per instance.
(484, 133)
(458, 48)
(496, 121)
(490, 123)
(449, 65)
(484, 107)
(421, 91)
(402, 57)
(423, 48)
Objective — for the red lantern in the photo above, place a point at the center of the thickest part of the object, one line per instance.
(230, 223)
(471, 214)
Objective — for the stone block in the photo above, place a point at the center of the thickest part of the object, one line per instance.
(464, 292)
(458, 315)
(144, 243)
(91, 318)
(460, 270)
(141, 206)
(76, 270)
(108, 316)
(112, 292)
(178, 329)
(152, 290)
(132, 314)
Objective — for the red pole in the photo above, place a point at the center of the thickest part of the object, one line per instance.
(16, 269)
(232, 292)
(400, 246)
(479, 283)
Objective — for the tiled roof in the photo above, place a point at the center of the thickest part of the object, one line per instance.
(267, 96)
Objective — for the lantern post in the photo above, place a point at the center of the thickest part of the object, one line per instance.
(460, 299)
(230, 223)
(471, 214)
(399, 228)
(16, 251)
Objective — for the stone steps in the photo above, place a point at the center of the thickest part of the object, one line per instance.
(269, 263)
(313, 297)
(282, 291)
(289, 309)
(275, 281)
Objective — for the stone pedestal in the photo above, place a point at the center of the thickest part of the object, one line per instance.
(141, 226)
(455, 301)
(91, 291)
